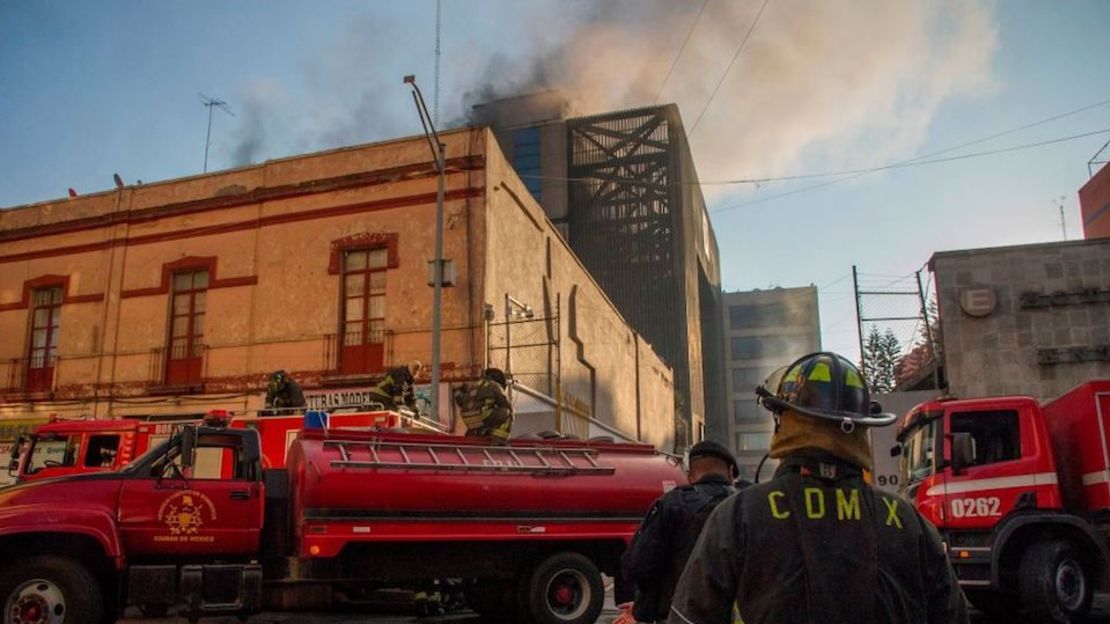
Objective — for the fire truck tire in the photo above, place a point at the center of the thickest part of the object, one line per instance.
(993, 603)
(59, 585)
(1054, 585)
(565, 588)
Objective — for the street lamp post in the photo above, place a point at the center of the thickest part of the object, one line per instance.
(437, 270)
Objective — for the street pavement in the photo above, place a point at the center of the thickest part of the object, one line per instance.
(1101, 615)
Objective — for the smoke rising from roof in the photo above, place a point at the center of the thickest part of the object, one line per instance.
(842, 84)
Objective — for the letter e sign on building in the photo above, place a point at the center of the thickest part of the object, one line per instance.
(978, 302)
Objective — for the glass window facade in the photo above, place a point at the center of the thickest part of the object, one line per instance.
(526, 158)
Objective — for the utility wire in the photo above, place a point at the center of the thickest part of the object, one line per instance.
(680, 51)
(720, 82)
(851, 174)
(855, 173)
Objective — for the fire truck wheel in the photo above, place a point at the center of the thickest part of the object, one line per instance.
(565, 588)
(1054, 585)
(49, 589)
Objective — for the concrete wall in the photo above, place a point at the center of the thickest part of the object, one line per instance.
(886, 472)
(607, 370)
(1030, 348)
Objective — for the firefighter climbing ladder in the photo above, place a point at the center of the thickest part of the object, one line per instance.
(466, 458)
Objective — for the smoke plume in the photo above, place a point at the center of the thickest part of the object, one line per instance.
(842, 84)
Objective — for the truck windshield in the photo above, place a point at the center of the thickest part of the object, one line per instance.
(918, 453)
(53, 451)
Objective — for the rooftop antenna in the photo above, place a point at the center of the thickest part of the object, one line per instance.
(211, 103)
(435, 95)
(1063, 224)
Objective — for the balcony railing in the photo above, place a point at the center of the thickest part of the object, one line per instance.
(28, 375)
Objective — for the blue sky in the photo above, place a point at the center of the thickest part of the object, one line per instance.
(91, 89)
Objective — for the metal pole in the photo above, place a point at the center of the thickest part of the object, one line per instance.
(437, 273)
(859, 319)
(207, 138)
(438, 152)
(508, 337)
(929, 332)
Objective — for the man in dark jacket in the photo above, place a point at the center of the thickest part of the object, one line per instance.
(486, 410)
(657, 556)
(395, 390)
(817, 544)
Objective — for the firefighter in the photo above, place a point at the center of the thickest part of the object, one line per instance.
(283, 394)
(395, 390)
(486, 410)
(662, 544)
(817, 544)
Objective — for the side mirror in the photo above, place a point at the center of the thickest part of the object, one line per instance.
(17, 447)
(963, 452)
(188, 445)
(896, 450)
(13, 466)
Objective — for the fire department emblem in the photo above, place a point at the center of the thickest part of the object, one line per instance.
(186, 513)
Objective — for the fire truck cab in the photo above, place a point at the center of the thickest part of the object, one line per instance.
(1021, 493)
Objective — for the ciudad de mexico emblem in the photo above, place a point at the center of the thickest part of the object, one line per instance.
(185, 514)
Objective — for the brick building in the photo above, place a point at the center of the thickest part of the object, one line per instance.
(181, 296)
(1094, 204)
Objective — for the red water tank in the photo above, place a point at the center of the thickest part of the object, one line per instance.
(348, 474)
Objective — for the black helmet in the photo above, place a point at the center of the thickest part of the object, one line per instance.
(823, 385)
(707, 448)
(496, 374)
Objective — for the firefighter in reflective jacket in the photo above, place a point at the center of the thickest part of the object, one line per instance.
(662, 544)
(283, 394)
(817, 544)
(486, 410)
(395, 391)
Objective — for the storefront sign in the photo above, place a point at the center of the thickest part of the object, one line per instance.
(1065, 298)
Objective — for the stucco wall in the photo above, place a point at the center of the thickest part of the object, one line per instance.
(273, 301)
(998, 353)
(531, 262)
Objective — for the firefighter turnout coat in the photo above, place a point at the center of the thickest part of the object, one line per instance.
(662, 544)
(818, 545)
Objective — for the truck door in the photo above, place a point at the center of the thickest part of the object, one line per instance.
(198, 511)
(982, 493)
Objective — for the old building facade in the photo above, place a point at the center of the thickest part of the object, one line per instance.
(181, 296)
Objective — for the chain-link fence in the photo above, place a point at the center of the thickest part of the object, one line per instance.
(896, 332)
(528, 350)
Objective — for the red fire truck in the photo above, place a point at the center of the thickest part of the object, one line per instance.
(71, 446)
(530, 526)
(1021, 492)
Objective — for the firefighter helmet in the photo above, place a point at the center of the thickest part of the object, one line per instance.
(496, 375)
(826, 386)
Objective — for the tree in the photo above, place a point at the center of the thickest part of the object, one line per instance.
(881, 354)
(923, 353)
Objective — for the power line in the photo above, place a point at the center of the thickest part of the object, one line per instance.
(918, 161)
(720, 82)
(680, 51)
(860, 172)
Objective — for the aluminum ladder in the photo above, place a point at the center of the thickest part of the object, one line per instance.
(466, 458)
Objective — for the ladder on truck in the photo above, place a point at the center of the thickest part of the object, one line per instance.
(466, 458)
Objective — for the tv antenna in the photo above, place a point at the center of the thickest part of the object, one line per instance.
(211, 103)
(1063, 224)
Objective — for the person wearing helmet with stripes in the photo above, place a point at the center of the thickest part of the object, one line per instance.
(816, 543)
